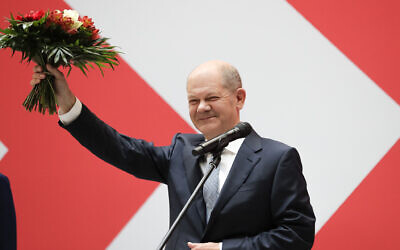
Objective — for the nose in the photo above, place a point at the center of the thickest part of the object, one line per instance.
(203, 106)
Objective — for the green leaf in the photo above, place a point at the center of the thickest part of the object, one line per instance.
(69, 70)
(57, 57)
(83, 71)
(8, 31)
(66, 51)
(111, 65)
(44, 18)
(99, 66)
(84, 66)
(63, 57)
(51, 54)
(12, 21)
(26, 25)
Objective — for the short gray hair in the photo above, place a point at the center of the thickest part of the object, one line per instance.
(231, 77)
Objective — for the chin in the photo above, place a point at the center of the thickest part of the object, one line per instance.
(210, 130)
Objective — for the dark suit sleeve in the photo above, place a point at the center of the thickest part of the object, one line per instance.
(292, 214)
(8, 234)
(137, 157)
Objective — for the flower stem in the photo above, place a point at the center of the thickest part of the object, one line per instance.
(42, 96)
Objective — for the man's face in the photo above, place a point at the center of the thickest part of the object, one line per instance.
(213, 108)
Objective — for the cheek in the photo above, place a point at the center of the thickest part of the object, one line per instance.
(192, 111)
(220, 109)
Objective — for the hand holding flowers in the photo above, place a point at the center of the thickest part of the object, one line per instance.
(65, 98)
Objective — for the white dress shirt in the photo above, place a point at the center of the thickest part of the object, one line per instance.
(72, 114)
(227, 157)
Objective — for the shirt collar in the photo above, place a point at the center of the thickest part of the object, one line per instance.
(234, 146)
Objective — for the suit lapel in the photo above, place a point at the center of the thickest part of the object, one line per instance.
(192, 170)
(242, 166)
(193, 177)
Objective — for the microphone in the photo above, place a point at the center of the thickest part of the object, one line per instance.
(241, 129)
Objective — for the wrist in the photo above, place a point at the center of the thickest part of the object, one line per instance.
(65, 104)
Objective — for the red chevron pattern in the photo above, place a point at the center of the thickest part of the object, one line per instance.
(368, 33)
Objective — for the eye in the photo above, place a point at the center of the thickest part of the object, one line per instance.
(193, 101)
(213, 98)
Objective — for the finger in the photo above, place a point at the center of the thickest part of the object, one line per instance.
(194, 245)
(34, 82)
(37, 69)
(55, 72)
(38, 76)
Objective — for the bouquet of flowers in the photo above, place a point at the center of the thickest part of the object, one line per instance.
(58, 38)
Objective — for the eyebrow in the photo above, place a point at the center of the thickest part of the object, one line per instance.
(213, 93)
(192, 97)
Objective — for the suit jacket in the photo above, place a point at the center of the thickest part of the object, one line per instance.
(8, 228)
(263, 204)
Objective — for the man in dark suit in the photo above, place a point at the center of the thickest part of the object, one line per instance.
(261, 196)
(8, 229)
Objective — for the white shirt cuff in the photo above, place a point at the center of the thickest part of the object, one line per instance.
(72, 114)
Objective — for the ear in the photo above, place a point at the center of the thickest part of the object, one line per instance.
(240, 97)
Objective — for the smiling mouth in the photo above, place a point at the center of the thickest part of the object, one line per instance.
(205, 118)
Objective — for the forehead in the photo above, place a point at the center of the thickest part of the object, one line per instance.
(205, 82)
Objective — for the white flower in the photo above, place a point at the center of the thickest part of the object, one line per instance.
(76, 24)
(74, 15)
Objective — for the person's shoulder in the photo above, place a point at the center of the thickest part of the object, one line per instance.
(276, 144)
(278, 150)
(273, 145)
(186, 139)
(190, 137)
(268, 142)
(4, 179)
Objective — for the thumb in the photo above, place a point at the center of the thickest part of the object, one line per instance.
(54, 71)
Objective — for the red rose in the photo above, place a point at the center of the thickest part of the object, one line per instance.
(95, 34)
(38, 14)
(27, 17)
(19, 18)
(32, 16)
